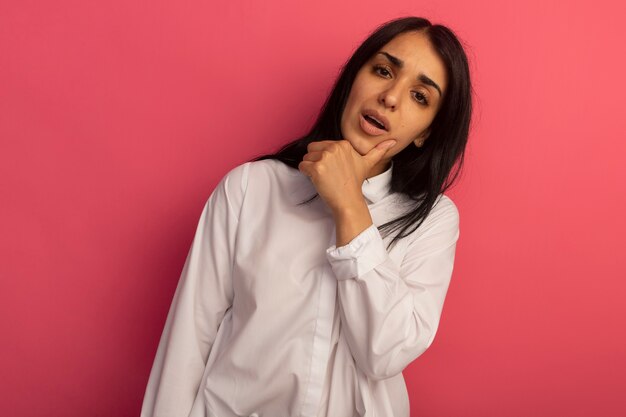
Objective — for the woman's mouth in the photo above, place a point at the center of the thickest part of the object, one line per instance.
(371, 126)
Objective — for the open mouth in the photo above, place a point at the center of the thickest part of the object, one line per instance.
(373, 121)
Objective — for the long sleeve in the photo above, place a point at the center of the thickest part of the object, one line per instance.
(203, 295)
(389, 312)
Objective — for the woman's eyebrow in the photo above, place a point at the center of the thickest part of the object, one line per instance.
(421, 77)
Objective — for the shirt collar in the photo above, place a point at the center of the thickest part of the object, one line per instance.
(377, 187)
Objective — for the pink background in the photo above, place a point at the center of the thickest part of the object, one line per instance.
(117, 119)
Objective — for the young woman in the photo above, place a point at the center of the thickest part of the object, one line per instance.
(317, 274)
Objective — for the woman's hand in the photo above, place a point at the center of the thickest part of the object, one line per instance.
(338, 171)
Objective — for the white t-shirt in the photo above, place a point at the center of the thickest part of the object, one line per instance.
(271, 319)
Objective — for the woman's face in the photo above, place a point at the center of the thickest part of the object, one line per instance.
(401, 86)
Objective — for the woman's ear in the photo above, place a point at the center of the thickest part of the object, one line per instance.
(419, 141)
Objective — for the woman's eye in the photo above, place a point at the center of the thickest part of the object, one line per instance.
(382, 71)
(421, 98)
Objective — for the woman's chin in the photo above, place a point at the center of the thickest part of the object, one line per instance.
(360, 145)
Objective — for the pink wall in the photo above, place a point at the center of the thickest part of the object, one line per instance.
(118, 118)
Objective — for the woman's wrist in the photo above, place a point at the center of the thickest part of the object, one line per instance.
(350, 220)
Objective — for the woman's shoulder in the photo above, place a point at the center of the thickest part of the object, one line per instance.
(444, 205)
(443, 220)
(262, 172)
(260, 167)
(444, 214)
(263, 181)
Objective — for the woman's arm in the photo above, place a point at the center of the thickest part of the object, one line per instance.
(203, 295)
(389, 312)
(351, 220)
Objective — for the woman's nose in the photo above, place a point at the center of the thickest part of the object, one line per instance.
(389, 98)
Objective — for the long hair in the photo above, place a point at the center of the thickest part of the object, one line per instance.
(420, 173)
